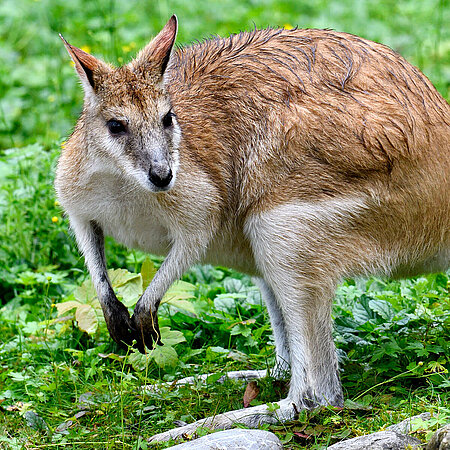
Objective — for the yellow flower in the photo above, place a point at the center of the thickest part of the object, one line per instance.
(54, 219)
(86, 48)
(288, 26)
(129, 47)
(63, 145)
(56, 203)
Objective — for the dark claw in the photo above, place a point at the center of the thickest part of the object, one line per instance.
(119, 323)
(145, 324)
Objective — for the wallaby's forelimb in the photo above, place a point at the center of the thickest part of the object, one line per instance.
(145, 319)
(91, 242)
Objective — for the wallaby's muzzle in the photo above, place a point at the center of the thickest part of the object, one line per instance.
(160, 176)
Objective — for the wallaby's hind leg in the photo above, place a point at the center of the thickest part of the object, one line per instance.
(283, 361)
(296, 248)
(298, 291)
(306, 309)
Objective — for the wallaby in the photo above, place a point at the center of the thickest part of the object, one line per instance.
(297, 156)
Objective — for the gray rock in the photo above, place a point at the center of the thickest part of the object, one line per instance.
(404, 427)
(441, 439)
(382, 440)
(234, 440)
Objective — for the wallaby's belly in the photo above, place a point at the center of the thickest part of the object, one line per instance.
(232, 253)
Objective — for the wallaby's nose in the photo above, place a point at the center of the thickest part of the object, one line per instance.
(160, 178)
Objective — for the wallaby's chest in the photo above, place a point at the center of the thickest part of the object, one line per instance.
(126, 215)
(136, 229)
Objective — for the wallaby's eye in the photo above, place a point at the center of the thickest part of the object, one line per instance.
(167, 119)
(116, 127)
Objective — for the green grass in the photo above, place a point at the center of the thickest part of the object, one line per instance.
(62, 387)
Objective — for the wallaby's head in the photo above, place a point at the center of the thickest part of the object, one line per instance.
(127, 122)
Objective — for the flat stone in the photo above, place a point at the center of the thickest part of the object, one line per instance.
(441, 439)
(404, 427)
(382, 440)
(235, 439)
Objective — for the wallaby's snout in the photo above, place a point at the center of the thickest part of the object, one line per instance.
(160, 175)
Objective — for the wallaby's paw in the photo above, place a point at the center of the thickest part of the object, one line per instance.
(145, 324)
(253, 417)
(119, 323)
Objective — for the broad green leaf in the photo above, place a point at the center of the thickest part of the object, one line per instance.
(87, 319)
(5, 170)
(180, 290)
(354, 405)
(86, 293)
(414, 346)
(138, 360)
(119, 277)
(241, 330)
(29, 278)
(178, 294)
(383, 308)
(164, 356)
(182, 304)
(171, 337)
(127, 285)
(76, 353)
(418, 423)
(217, 349)
(361, 311)
(254, 296)
(65, 307)
(236, 355)
(36, 422)
(211, 379)
(32, 327)
(233, 285)
(227, 302)
(148, 271)
(114, 356)
(130, 292)
(17, 376)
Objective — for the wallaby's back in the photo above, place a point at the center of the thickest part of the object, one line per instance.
(275, 116)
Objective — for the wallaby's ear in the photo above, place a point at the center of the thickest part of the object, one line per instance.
(153, 59)
(86, 66)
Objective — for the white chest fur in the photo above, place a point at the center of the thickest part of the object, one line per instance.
(124, 212)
